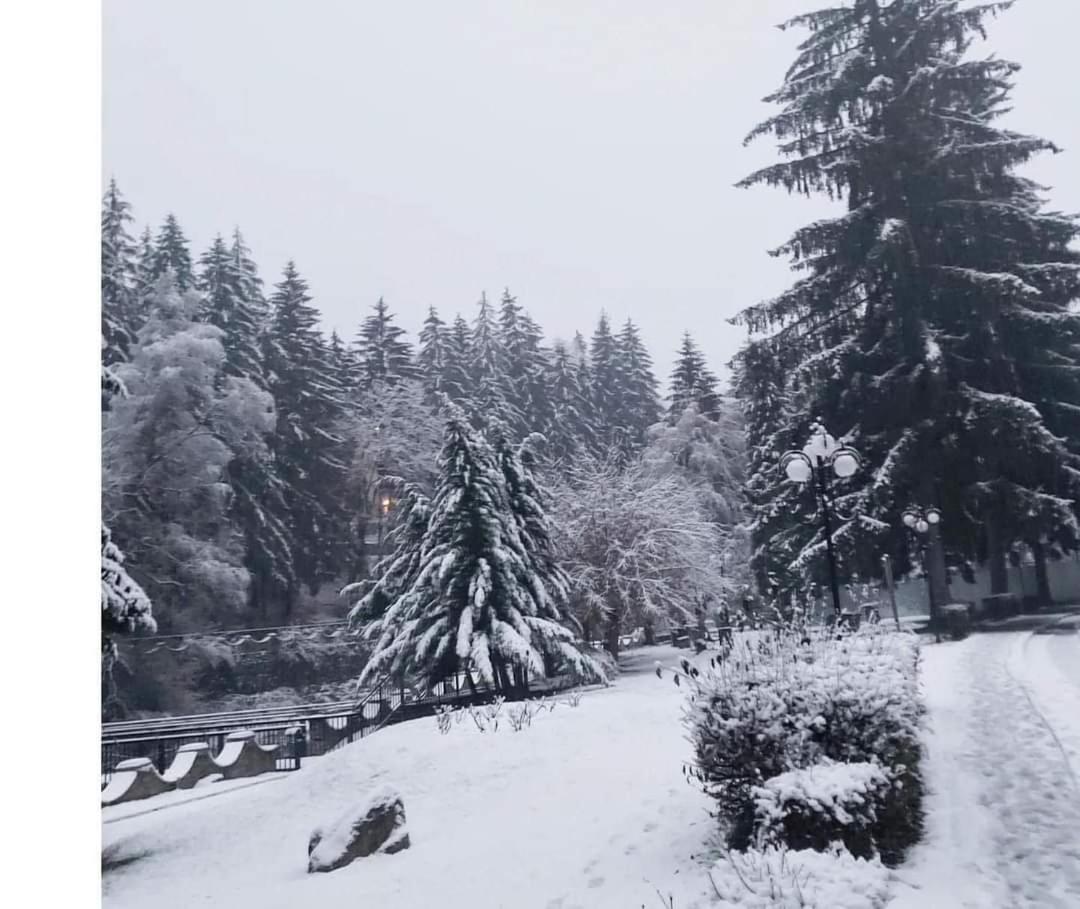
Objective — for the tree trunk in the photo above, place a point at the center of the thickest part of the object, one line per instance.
(504, 687)
(650, 632)
(1043, 593)
(611, 641)
(995, 556)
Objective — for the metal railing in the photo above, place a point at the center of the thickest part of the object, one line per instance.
(325, 727)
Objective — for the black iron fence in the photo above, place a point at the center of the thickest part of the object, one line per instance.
(303, 731)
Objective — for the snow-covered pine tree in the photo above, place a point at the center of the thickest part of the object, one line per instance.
(456, 379)
(569, 431)
(125, 607)
(172, 251)
(521, 339)
(233, 302)
(432, 354)
(771, 430)
(692, 383)
(606, 382)
(490, 394)
(381, 352)
(640, 400)
(143, 279)
(905, 335)
(342, 364)
(307, 447)
(119, 315)
(474, 603)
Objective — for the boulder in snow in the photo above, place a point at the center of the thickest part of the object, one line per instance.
(376, 823)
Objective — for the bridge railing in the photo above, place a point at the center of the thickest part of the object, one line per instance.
(325, 726)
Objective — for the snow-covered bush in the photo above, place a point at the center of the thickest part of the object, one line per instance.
(787, 701)
(778, 878)
(444, 718)
(521, 715)
(826, 803)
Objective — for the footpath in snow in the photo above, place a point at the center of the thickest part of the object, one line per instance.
(1002, 766)
(588, 808)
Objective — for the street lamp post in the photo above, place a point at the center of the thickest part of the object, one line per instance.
(819, 458)
(920, 521)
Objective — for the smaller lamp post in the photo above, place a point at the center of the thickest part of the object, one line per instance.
(821, 457)
(920, 521)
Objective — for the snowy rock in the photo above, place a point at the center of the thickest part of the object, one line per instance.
(374, 824)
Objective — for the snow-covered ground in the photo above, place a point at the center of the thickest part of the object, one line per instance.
(1003, 743)
(587, 808)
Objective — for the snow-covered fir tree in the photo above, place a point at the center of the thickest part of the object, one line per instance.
(477, 601)
(172, 252)
(456, 377)
(143, 278)
(606, 384)
(125, 607)
(638, 386)
(119, 314)
(432, 354)
(526, 361)
(381, 352)
(309, 452)
(922, 348)
(569, 431)
(692, 382)
(491, 397)
(232, 301)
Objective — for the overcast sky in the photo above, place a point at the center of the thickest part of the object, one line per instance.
(581, 152)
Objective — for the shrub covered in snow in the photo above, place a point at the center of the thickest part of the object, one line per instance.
(826, 803)
(776, 878)
(788, 701)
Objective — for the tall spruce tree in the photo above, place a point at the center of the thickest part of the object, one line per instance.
(692, 383)
(640, 399)
(308, 451)
(381, 352)
(232, 302)
(920, 331)
(491, 397)
(433, 354)
(172, 251)
(456, 380)
(143, 277)
(569, 431)
(606, 381)
(119, 315)
(521, 339)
